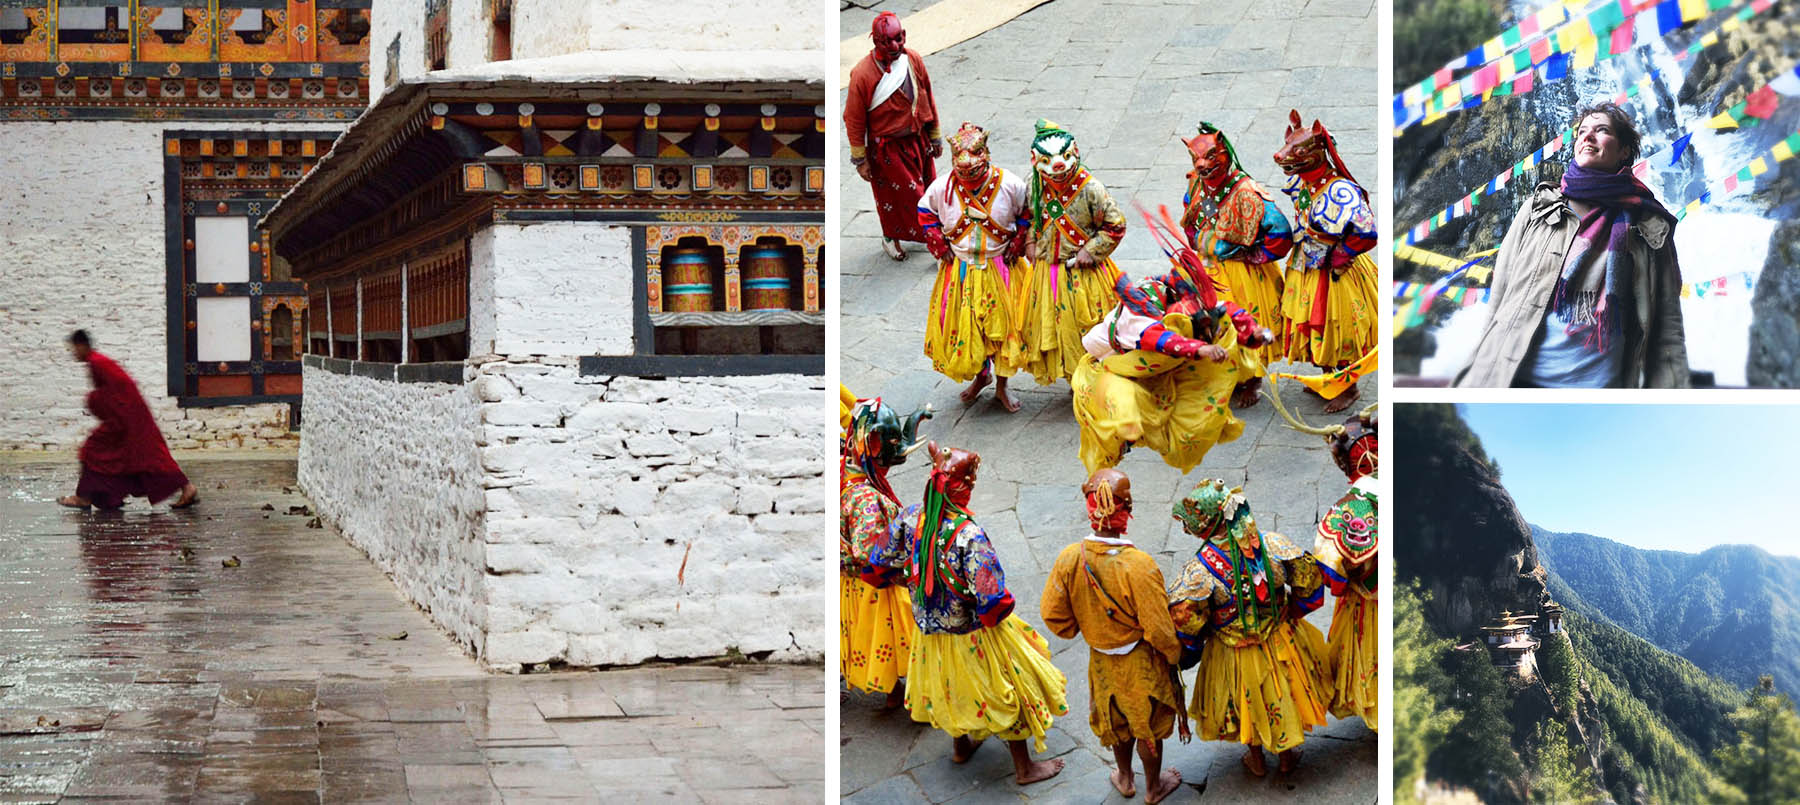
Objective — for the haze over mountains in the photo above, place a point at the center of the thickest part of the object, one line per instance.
(1732, 610)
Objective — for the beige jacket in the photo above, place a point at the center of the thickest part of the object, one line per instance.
(1525, 274)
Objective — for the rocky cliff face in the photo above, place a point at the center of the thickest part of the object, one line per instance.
(1462, 537)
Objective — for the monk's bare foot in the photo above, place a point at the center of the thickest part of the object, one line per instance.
(1245, 395)
(1253, 762)
(1343, 401)
(896, 698)
(1037, 771)
(74, 501)
(1162, 787)
(190, 495)
(1289, 760)
(1125, 783)
(1006, 400)
(965, 749)
(980, 382)
(895, 250)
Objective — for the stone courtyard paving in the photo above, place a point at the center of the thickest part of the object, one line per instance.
(135, 665)
(1129, 79)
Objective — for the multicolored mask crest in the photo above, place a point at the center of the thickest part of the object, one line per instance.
(969, 154)
(888, 36)
(953, 472)
(1214, 159)
(1219, 514)
(880, 436)
(1053, 152)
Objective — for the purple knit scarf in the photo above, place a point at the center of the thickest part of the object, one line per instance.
(1588, 300)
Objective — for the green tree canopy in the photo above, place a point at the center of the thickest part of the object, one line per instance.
(1765, 763)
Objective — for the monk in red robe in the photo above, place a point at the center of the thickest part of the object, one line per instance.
(893, 127)
(126, 456)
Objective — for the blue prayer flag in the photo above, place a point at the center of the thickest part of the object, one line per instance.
(1556, 67)
(1668, 17)
(1680, 147)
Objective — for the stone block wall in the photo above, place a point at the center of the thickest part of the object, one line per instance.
(393, 467)
(632, 518)
(87, 253)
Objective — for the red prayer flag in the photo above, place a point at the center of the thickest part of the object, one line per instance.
(1640, 169)
(1622, 35)
(1522, 84)
(1540, 50)
(1529, 26)
(1441, 78)
(1761, 103)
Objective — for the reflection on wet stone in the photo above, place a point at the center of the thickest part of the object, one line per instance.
(134, 666)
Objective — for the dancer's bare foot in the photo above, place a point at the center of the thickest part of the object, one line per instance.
(1027, 771)
(1343, 401)
(1162, 787)
(896, 698)
(1006, 400)
(980, 382)
(1245, 395)
(1288, 761)
(74, 501)
(965, 748)
(1038, 771)
(190, 495)
(1253, 761)
(895, 250)
(1125, 783)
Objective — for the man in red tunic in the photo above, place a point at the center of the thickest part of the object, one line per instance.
(893, 127)
(126, 455)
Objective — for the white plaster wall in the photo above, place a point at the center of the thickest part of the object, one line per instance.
(705, 25)
(406, 18)
(393, 467)
(549, 27)
(630, 519)
(82, 246)
(557, 288)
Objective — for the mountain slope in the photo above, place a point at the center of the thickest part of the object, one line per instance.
(1644, 721)
(1733, 610)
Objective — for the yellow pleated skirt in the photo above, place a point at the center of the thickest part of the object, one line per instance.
(974, 308)
(1178, 408)
(1062, 305)
(1352, 647)
(1351, 327)
(997, 681)
(1267, 692)
(875, 634)
(1132, 696)
(1257, 289)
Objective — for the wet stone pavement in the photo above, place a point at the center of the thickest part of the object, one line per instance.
(135, 665)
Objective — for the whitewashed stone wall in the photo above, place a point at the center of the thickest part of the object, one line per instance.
(393, 467)
(77, 253)
(555, 288)
(706, 25)
(634, 518)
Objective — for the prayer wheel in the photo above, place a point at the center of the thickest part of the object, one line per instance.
(766, 283)
(689, 286)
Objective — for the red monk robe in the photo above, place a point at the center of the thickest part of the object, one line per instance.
(126, 456)
(895, 138)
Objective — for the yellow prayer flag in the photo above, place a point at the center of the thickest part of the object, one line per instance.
(1781, 151)
(1692, 10)
(1452, 96)
(1492, 49)
(1551, 17)
(1686, 290)
(1585, 56)
(1723, 120)
(1731, 24)
(1692, 207)
(1711, 38)
(1506, 71)
(1758, 167)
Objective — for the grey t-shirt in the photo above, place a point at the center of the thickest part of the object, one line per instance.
(1560, 359)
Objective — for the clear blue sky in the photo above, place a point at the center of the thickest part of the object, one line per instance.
(1665, 477)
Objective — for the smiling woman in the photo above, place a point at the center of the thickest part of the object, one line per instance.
(1586, 289)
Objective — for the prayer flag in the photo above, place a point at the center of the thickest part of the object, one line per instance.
(1715, 5)
(1668, 17)
(1529, 26)
(1640, 169)
(1440, 79)
(1711, 38)
(1585, 55)
(1556, 67)
(1731, 183)
(1521, 61)
(1723, 120)
(1551, 17)
(1744, 175)
(1475, 57)
(1787, 83)
(1758, 167)
(1510, 38)
(1622, 36)
(1523, 84)
(1759, 6)
(1552, 147)
(1605, 18)
(1731, 24)
(1781, 152)
(1692, 10)
(1692, 205)
(1540, 51)
(1686, 292)
(1679, 147)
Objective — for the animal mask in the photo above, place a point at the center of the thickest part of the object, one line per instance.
(969, 157)
(1212, 155)
(1054, 153)
(1303, 149)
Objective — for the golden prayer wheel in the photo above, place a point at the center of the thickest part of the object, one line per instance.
(766, 282)
(689, 286)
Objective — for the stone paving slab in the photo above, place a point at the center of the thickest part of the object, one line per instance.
(1130, 79)
(160, 674)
